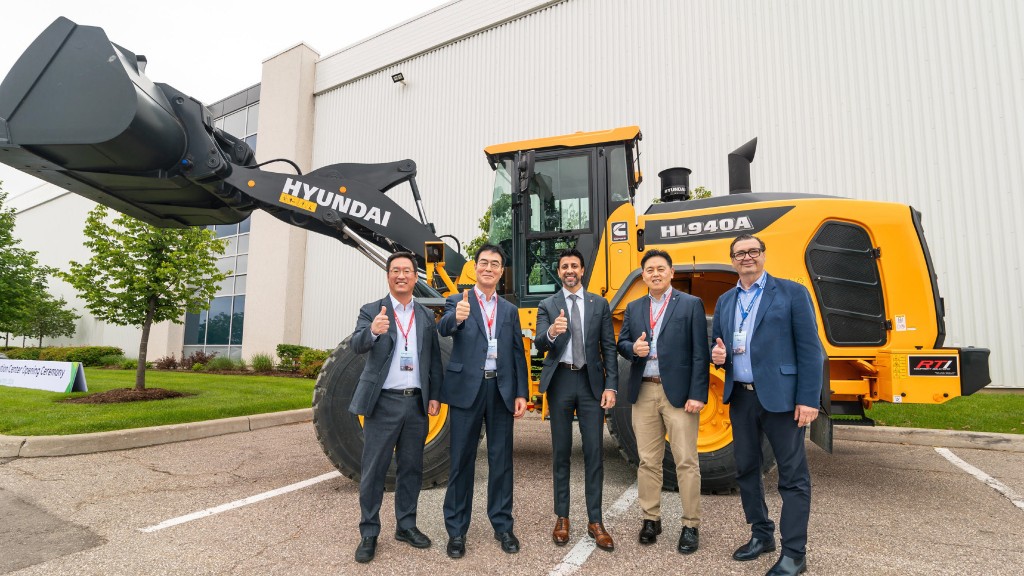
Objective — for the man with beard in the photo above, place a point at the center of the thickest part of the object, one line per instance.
(580, 376)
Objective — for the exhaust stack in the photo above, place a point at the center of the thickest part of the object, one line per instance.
(675, 184)
(739, 167)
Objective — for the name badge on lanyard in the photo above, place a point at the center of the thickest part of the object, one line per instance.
(653, 354)
(405, 363)
(492, 342)
(492, 348)
(739, 337)
(405, 359)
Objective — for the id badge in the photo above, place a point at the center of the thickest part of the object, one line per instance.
(653, 354)
(405, 361)
(492, 348)
(739, 342)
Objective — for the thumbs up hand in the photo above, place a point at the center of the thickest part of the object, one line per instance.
(559, 326)
(381, 323)
(641, 347)
(718, 352)
(462, 308)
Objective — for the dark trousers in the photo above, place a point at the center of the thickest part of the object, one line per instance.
(749, 422)
(488, 409)
(568, 394)
(397, 427)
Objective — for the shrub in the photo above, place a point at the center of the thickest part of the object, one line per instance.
(166, 363)
(198, 367)
(197, 356)
(240, 364)
(110, 360)
(311, 361)
(23, 353)
(262, 363)
(289, 355)
(220, 363)
(87, 355)
(129, 363)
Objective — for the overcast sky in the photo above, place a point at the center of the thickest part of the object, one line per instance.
(207, 49)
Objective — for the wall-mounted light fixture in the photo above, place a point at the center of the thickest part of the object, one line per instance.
(398, 78)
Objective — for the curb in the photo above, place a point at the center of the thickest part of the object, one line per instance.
(926, 437)
(71, 444)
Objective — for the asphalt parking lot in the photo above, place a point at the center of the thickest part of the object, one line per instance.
(877, 509)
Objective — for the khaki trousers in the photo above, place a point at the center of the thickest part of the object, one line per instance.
(653, 416)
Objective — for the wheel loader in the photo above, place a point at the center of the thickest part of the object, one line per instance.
(79, 111)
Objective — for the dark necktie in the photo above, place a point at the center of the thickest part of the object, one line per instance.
(576, 332)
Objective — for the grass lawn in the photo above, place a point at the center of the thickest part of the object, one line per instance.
(34, 412)
(976, 413)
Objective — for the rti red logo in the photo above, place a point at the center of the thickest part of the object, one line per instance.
(933, 365)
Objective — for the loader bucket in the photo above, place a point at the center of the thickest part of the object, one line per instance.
(79, 112)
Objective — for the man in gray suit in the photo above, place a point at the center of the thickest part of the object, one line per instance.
(580, 376)
(400, 385)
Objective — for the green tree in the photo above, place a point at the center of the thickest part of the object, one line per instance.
(495, 225)
(139, 274)
(47, 317)
(20, 273)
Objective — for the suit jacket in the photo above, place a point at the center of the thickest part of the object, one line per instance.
(598, 341)
(785, 352)
(465, 371)
(381, 350)
(683, 353)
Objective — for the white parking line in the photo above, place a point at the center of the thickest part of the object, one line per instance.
(581, 551)
(996, 485)
(239, 503)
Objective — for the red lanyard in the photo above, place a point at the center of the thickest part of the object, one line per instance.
(490, 321)
(405, 332)
(661, 310)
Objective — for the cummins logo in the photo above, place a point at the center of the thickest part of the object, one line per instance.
(307, 197)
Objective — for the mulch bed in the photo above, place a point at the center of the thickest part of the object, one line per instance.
(127, 395)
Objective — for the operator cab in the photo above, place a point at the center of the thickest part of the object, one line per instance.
(556, 193)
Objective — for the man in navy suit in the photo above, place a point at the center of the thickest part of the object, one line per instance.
(485, 383)
(664, 335)
(580, 377)
(766, 336)
(400, 384)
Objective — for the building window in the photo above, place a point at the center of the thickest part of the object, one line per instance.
(218, 329)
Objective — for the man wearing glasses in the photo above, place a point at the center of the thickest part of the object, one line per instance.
(485, 383)
(766, 336)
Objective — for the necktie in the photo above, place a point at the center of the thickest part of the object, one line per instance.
(576, 332)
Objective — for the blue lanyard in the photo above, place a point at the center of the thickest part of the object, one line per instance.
(739, 304)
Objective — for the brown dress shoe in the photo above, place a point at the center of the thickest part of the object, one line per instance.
(602, 538)
(561, 532)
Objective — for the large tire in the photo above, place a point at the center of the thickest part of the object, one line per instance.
(340, 432)
(717, 467)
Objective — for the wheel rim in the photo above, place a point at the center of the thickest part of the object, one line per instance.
(435, 424)
(715, 431)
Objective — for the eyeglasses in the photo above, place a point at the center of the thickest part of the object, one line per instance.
(753, 253)
(492, 264)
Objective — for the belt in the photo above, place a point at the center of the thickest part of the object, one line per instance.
(747, 385)
(402, 391)
(654, 379)
(571, 366)
(490, 374)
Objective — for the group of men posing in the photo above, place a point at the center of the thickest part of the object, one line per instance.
(773, 378)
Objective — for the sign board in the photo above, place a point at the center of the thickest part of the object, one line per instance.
(41, 375)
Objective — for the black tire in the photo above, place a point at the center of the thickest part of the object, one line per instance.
(340, 432)
(717, 468)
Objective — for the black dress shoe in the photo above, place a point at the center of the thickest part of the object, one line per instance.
(754, 548)
(786, 566)
(456, 547)
(649, 531)
(366, 550)
(689, 540)
(509, 542)
(413, 537)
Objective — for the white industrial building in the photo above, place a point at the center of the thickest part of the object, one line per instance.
(917, 102)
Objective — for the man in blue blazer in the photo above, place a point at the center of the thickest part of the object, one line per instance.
(485, 383)
(399, 386)
(664, 335)
(580, 376)
(766, 336)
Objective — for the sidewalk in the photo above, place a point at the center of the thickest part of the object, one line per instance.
(39, 446)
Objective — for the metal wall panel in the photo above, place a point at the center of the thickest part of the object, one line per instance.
(915, 102)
